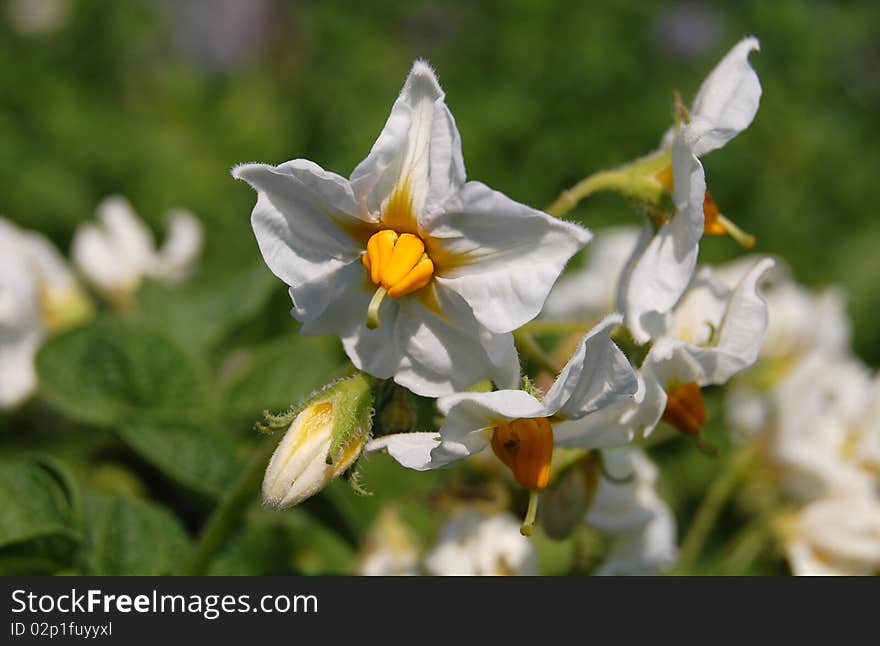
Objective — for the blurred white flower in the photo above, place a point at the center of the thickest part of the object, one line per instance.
(630, 511)
(663, 262)
(590, 292)
(452, 266)
(390, 549)
(472, 543)
(38, 295)
(834, 536)
(826, 431)
(38, 17)
(118, 252)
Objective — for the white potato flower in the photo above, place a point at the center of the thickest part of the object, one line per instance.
(38, 295)
(663, 262)
(630, 511)
(390, 548)
(522, 428)
(118, 252)
(472, 543)
(451, 266)
(835, 536)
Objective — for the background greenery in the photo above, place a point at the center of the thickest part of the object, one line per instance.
(146, 417)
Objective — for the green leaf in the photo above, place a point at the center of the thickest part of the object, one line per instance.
(131, 537)
(193, 454)
(113, 369)
(34, 503)
(201, 314)
(289, 542)
(281, 373)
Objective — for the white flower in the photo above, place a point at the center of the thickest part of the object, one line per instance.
(523, 429)
(664, 261)
(630, 511)
(116, 254)
(590, 292)
(38, 295)
(826, 432)
(835, 536)
(390, 549)
(712, 334)
(453, 265)
(476, 544)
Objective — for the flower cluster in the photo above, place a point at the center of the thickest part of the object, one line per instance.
(435, 284)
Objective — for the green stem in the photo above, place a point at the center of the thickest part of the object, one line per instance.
(530, 346)
(568, 199)
(722, 487)
(229, 511)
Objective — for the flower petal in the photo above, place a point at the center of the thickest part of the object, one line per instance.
(726, 102)
(20, 329)
(618, 424)
(411, 450)
(502, 257)
(420, 142)
(182, 247)
(470, 418)
(304, 220)
(662, 266)
(597, 375)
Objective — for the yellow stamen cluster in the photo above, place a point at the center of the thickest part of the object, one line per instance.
(397, 262)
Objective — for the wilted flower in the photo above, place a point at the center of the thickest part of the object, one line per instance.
(475, 544)
(629, 510)
(663, 263)
(323, 441)
(38, 295)
(116, 254)
(452, 266)
(522, 428)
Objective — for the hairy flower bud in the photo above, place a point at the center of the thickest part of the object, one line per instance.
(324, 440)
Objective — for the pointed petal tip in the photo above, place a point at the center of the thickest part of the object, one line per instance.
(422, 79)
(243, 171)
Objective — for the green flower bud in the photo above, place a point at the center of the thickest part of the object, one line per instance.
(323, 441)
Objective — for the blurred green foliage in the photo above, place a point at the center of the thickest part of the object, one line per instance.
(543, 93)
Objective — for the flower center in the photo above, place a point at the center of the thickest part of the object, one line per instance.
(398, 265)
(684, 408)
(526, 447)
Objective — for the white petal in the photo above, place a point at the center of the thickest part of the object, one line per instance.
(618, 424)
(505, 255)
(470, 418)
(128, 234)
(301, 221)
(182, 247)
(597, 375)
(662, 266)
(419, 142)
(411, 450)
(449, 352)
(101, 262)
(432, 353)
(20, 329)
(726, 102)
